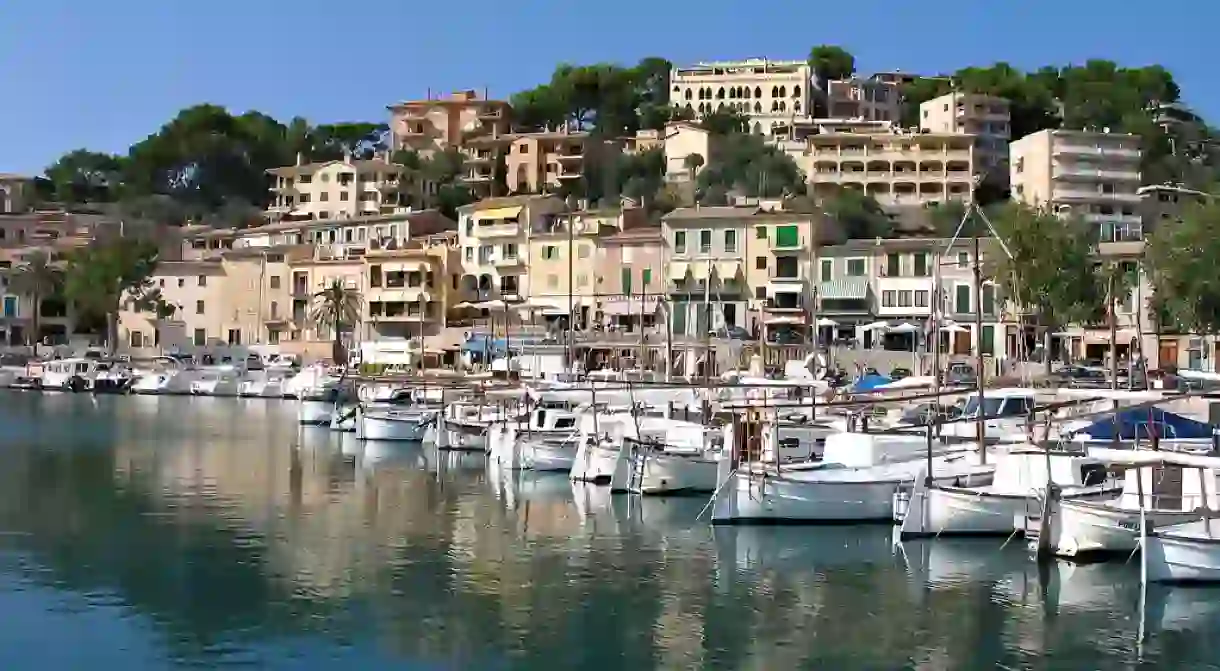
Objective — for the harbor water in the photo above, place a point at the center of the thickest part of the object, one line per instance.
(162, 532)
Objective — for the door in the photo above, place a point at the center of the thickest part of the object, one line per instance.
(1167, 353)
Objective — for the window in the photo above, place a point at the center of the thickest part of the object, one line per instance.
(275, 281)
(273, 337)
(787, 236)
(988, 295)
(963, 260)
(760, 293)
(201, 337)
(679, 242)
(325, 215)
(893, 265)
(582, 280)
(961, 298)
(181, 282)
(730, 242)
(275, 309)
(234, 336)
(469, 254)
(705, 242)
(904, 298)
(888, 298)
(550, 252)
(198, 307)
(323, 197)
(760, 232)
(921, 299)
(552, 281)
(137, 339)
(646, 277)
(987, 340)
(10, 306)
(582, 252)
(760, 263)
(626, 279)
(203, 280)
(305, 197)
(921, 264)
(855, 267)
(508, 251)
(828, 269)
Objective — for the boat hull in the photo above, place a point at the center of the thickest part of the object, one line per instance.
(966, 512)
(1172, 558)
(391, 428)
(676, 474)
(595, 463)
(751, 498)
(1091, 528)
(314, 413)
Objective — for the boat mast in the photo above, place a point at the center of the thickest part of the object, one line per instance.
(981, 377)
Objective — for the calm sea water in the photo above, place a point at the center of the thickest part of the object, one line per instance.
(146, 533)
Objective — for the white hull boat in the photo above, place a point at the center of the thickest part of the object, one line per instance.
(1093, 527)
(1187, 552)
(551, 454)
(667, 473)
(343, 418)
(597, 462)
(314, 412)
(400, 426)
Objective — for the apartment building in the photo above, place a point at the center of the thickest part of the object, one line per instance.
(563, 251)
(630, 276)
(688, 148)
(985, 117)
(893, 166)
(434, 124)
(341, 190)
(330, 238)
(1094, 175)
(766, 92)
(1166, 203)
(204, 311)
(16, 193)
(494, 235)
(736, 267)
(864, 99)
(411, 289)
(862, 282)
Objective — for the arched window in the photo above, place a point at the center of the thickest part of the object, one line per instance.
(757, 91)
(689, 108)
(677, 89)
(796, 91)
(774, 91)
(796, 106)
(701, 94)
(745, 90)
(757, 128)
(783, 106)
(720, 93)
(758, 108)
(688, 94)
(783, 91)
(774, 105)
(707, 92)
(719, 106)
(732, 93)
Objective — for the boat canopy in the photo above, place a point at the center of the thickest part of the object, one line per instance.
(870, 382)
(1144, 423)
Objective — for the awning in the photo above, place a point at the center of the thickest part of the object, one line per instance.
(630, 306)
(700, 271)
(498, 213)
(849, 289)
(728, 269)
(677, 270)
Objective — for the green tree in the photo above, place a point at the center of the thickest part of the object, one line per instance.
(83, 176)
(109, 275)
(693, 162)
(38, 277)
(1052, 271)
(337, 307)
(650, 79)
(831, 62)
(725, 121)
(360, 140)
(859, 215)
(746, 165)
(1179, 261)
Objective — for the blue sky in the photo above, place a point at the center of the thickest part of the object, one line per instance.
(103, 75)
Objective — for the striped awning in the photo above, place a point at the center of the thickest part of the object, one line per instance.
(846, 289)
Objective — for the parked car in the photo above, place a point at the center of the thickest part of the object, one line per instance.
(899, 373)
(960, 375)
(731, 333)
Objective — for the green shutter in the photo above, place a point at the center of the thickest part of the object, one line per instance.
(787, 236)
(627, 281)
(987, 344)
(679, 317)
(645, 278)
(988, 299)
(760, 232)
(961, 297)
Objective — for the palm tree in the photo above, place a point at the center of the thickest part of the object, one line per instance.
(337, 306)
(39, 277)
(693, 162)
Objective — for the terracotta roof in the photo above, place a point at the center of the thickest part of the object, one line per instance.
(310, 168)
(729, 212)
(642, 234)
(326, 223)
(504, 201)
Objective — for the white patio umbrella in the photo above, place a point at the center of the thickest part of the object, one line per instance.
(954, 328)
(492, 305)
(827, 321)
(875, 326)
(903, 328)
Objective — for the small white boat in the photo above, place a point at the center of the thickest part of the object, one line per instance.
(314, 406)
(393, 425)
(343, 417)
(1008, 503)
(552, 454)
(73, 374)
(1188, 552)
(169, 376)
(222, 380)
(1172, 494)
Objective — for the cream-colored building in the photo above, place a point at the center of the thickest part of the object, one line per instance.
(563, 254)
(865, 99)
(682, 141)
(895, 167)
(766, 92)
(436, 124)
(410, 290)
(494, 235)
(1094, 175)
(16, 193)
(985, 117)
(341, 190)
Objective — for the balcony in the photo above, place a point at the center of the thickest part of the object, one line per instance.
(566, 174)
(1129, 219)
(301, 291)
(508, 262)
(785, 301)
(497, 230)
(569, 155)
(1068, 149)
(476, 177)
(1074, 171)
(1093, 195)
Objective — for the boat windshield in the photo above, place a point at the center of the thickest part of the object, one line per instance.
(1003, 406)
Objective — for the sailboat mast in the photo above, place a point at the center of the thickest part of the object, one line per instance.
(981, 377)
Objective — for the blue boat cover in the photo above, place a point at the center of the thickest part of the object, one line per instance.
(870, 382)
(1143, 423)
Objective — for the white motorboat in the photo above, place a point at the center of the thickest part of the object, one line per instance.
(73, 374)
(314, 406)
(1006, 504)
(224, 380)
(855, 481)
(310, 381)
(551, 454)
(343, 417)
(168, 376)
(1005, 414)
(1167, 493)
(599, 456)
(111, 378)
